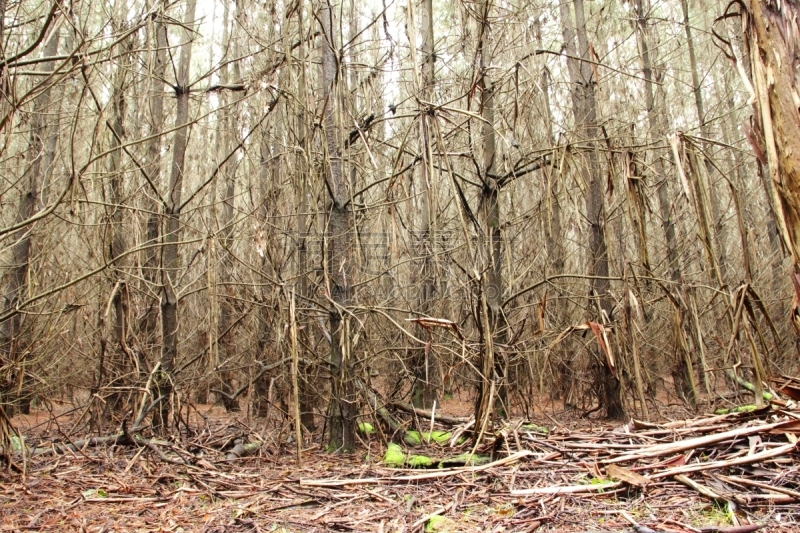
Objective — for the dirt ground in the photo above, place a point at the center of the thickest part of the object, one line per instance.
(132, 488)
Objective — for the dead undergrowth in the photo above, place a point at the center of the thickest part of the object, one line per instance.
(727, 473)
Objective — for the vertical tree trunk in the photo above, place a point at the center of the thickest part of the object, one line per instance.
(423, 365)
(771, 36)
(152, 168)
(338, 262)
(170, 258)
(226, 140)
(719, 228)
(15, 343)
(492, 389)
(308, 394)
(555, 247)
(585, 114)
(117, 232)
(657, 128)
(656, 115)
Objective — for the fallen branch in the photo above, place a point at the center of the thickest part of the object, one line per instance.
(569, 489)
(241, 450)
(713, 465)
(427, 414)
(690, 444)
(332, 483)
(748, 528)
(701, 489)
(764, 486)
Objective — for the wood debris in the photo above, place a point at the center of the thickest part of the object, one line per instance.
(732, 473)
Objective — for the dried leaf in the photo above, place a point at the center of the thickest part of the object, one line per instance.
(599, 332)
(673, 142)
(628, 476)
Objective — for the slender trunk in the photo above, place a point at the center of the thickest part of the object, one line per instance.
(117, 232)
(308, 394)
(226, 139)
(555, 246)
(656, 115)
(15, 343)
(585, 115)
(261, 386)
(492, 390)
(719, 228)
(170, 258)
(423, 365)
(152, 168)
(339, 269)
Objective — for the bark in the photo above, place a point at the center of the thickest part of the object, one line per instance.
(117, 231)
(423, 365)
(15, 343)
(492, 390)
(170, 258)
(720, 231)
(771, 35)
(585, 117)
(657, 127)
(338, 263)
(226, 139)
(777, 252)
(152, 168)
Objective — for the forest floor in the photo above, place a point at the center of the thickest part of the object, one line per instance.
(729, 473)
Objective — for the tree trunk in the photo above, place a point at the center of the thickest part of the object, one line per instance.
(152, 169)
(117, 231)
(492, 389)
(338, 263)
(423, 365)
(718, 225)
(226, 141)
(555, 246)
(15, 343)
(170, 258)
(771, 36)
(585, 115)
(656, 122)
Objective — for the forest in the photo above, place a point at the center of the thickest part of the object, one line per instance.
(517, 244)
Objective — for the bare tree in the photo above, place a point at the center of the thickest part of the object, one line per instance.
(338, 246)
(170, 259)
(584, 109)
(14, 342)
(424, 367)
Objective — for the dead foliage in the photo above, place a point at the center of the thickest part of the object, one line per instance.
(730, 473)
